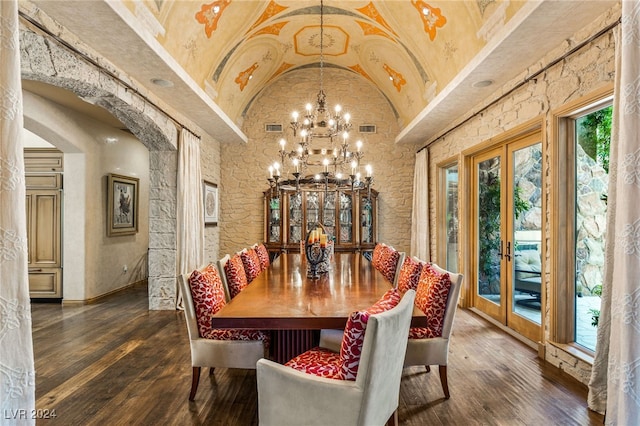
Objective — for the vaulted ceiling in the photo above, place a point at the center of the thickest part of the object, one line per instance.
(432, 60)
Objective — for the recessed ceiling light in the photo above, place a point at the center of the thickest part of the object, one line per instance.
(162, 82)
(482, 83)
(110, 140)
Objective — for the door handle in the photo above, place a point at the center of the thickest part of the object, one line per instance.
(508, 255)
(500, 250)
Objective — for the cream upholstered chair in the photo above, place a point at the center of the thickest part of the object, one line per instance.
(435, 350)
(287, 396)
(223, 276)
(207, 352)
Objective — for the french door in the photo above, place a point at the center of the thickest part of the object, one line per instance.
(507, 207)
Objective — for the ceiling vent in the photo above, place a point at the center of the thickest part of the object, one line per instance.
(367, 128)
(273, 128)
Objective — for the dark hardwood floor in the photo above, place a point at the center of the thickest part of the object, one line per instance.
(115, 362)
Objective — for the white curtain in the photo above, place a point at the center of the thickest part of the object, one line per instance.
(615, 378)
(190, 219)
(17, 375)
(420, 216)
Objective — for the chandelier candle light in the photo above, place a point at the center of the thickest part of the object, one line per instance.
(332, 128)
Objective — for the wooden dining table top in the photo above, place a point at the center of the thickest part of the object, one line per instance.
(282, 297)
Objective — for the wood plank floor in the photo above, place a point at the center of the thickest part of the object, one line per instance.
(117, 363)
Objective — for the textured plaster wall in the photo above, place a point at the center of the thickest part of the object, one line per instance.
(244, 166)
(210, 163)
(580, 74)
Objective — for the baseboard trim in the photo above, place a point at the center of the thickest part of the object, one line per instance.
(66, 302)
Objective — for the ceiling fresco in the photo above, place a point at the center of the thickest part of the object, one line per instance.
(408, 49)
(433, 60)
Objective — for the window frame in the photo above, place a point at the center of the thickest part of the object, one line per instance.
(563, 218)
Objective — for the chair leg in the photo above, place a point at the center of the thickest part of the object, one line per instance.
(428, 368)
(211, 370)
(194, 383)
(443, 380)
(393, 420)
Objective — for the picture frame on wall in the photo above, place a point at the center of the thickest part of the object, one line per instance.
(122, 205)
(211, 203)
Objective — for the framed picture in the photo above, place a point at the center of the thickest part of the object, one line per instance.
(210, 203)
(122, 205)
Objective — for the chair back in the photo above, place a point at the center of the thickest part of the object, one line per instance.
(189, 309)
(452, 301)
(381, 362)
(398, 267)
(223, 276)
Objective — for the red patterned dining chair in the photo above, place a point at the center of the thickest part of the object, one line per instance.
(203, 295)
(263, 255)
(359, 385)
(387, 260)
(407, 275)
(437, 296)
(251, 263)
(234, 274)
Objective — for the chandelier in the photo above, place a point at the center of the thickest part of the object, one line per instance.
(323, 152)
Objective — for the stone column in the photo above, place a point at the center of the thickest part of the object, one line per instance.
(162, 229)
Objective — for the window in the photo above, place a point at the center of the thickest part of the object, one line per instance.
(580, 165)
(592, 136)
(448, 237)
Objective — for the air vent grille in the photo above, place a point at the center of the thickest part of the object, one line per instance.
(273, 128)
(367, 128)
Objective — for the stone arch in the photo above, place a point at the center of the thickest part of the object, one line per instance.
(45, 60)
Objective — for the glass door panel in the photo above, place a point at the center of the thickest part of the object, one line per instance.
(295, 217)
(329, 214)
(366, 221)
(346, 216)
(489, 230)
(313, 210)
(526, 231)
(274, 220)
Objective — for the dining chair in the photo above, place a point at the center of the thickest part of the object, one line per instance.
(289, 396)
(223, 276)
(437, 296)
(387, 260)
(332, 338)
(251, 263)
(263, 255)
(203, 295)
(233, 270)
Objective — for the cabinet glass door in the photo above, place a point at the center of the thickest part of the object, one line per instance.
(295, 217)
(346, 217)
(366, 220)
(329, 214)
(274, 220)
(313, 210)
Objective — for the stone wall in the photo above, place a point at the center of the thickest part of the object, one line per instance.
(244, 166)
(520, 101)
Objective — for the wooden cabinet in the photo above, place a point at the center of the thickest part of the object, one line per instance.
(44, 221)
(349, 217)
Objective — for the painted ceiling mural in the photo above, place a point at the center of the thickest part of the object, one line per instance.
(410, 50)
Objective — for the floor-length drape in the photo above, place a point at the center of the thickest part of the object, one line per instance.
(420, 215)
(17, 376)
(615, 379)
(190, 215)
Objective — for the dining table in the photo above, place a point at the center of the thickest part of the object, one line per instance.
(295, 306)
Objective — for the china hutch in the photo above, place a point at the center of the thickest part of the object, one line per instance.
(349, 216)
